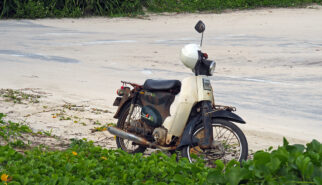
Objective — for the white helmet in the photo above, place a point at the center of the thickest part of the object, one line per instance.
(189, 55)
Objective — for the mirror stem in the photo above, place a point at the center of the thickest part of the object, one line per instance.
(201, 39)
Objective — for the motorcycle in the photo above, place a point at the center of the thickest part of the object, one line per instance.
(179, 116)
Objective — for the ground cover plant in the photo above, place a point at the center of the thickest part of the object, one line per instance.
(22, 137)
(84, 163)
(19, 96)
(72, 8)
(10, 132)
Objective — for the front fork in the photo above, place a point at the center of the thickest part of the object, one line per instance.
(207, 141)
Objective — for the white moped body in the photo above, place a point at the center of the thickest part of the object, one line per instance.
(194, 89)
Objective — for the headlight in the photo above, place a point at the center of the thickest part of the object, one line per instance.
(212, 67)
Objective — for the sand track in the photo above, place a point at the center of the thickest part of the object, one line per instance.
(269, 65)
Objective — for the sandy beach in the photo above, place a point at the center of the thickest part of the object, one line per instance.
(269, 66)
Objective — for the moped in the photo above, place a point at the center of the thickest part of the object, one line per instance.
(178, 115)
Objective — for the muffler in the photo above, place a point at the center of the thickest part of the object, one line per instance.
(137, 139)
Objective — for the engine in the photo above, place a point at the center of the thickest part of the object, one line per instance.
(160, 135)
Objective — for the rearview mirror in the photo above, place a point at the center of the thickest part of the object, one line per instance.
(200, 27)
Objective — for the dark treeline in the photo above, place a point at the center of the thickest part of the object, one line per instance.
(78, 8)
(68, 8)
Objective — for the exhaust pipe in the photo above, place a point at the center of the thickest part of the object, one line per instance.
(139, 140)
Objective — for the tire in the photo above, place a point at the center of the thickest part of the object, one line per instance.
(222, 150)
(124, 144)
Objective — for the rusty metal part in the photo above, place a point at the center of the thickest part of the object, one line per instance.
(132, 84)
(139, 140)
(140, 128)
(206, 142)
(221, 107)
(160, 135)
(117, 101)
(224, 107)
(125, 98)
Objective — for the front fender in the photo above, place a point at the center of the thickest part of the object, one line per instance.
(187, 139)
(224, 114)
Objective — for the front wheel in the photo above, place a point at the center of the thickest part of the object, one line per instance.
(229, 143)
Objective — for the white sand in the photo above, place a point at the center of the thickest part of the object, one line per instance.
(269, 65)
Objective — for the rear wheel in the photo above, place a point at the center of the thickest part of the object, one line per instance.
(229, 143)
(125, 144)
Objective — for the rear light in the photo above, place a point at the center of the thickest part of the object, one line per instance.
(205, 55)
(122, 90)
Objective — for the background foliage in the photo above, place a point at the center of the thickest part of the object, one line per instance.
(68, 8)
(219, 5)
(78, 8)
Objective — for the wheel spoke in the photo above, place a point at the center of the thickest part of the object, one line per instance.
(126, 144)
(227, 145)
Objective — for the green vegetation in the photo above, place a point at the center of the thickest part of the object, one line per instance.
(220, 5)
(103, 128)
(73, 8)
(84, 163)
(18, 96)
(68, 8)
(10, 132)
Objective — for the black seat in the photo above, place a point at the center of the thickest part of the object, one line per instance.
(172, 86)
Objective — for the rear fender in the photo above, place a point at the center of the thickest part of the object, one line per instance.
(125, 99)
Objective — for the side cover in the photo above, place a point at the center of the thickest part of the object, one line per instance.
(159, 100)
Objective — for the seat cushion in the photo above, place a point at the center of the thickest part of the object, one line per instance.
(172, 86)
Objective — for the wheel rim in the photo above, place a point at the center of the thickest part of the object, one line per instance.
(227, 145)
(126, 144)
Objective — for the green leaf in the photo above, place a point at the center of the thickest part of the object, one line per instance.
(215, 177)
(282, 154)
(161, 183)
(178, 178)
(317, 180)
(1, 116)
(285, 142)
(305, 165)
(235, 175)
(220, 165)
(63, 180)
(315, 146)
(2, 159)
(274, 164)
(232, 163)
(262, 157)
